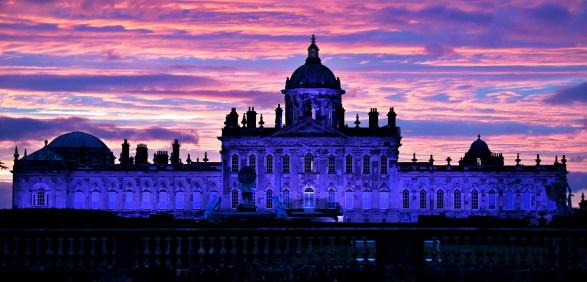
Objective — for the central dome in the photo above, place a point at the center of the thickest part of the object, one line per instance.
(77, 140)
(313, 74)
(479, 146)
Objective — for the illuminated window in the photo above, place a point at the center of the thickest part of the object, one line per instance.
(286, 162)
(253, 162)
(308, 163)
(366, 164)
(509, 200)
(234, 198)
(146, 200)
(163, 200)
(384, 200)
(269, 199)
(457, 200)
(405, 199)
(348, 199)
(179, 200)
(286, 198)
(128, 199)
(308, 198)
(423, 205)
(367, 199)
(331, 203)
(331, 164)
(78, 196)
(269, 164)
(475, 199)
(112, 199)
(383, 161)
(440, 199)
(234, 163)
(349, 164)
(197, 200)
(527, 204)
(492, 200)
(95, 199)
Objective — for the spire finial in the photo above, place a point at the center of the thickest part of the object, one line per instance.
(478, 136)
(313, 39)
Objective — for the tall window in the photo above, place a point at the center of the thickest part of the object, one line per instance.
(253, 162)
(331, 203)
(348, 199)
(112, 199)
(309, 198)
(269, 164)
(367, 199)
(383, 161)
(179, 200)
(423, 205)
(457, 199)
(163, 200)
(95, 199)
(145, 200)
(509, 200)
(405, 199)
(286, 198)
(286, 161)
(384, 199)
(253, 195)
(527, 204)
(234, 198)
(474, 199)
(440, 199)
(309, 163)
(40, 198)
(366, 164)
(331, 164)
(492, 200)
(197, 200)
(269, 199)
(349, 164)
(128, 199)
(234, 163)
(78, 196)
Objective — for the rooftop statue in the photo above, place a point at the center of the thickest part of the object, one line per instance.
(279, 207)
(246, 179)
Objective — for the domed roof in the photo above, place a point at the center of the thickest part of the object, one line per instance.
(479, 146)
(77, 139)
(313, 74)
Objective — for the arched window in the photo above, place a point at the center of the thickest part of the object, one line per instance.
(196, 200)
(163, 199)
(95, 199)
(331, 203)
(78, 199)
(383, 199)
(383, 163)
(128, 199)
(367, 199)
(40, 198)
(211, 195)
(309, 163)
(253, 162)
(349, 164)
(348, 199)
(474, 199)
(440, 199)
(366, 164)
(308, 198)
(331, 164)
(286, 161)
(179, 200)
(423, 204)
(405, 199)
(269, 164)
(112, 199)
(491, 200)
(234, 163)
(509, 200)
(269, 198)
(527, 204)
(234, 198)
(286, 198)
(457, 205)
(146, 200)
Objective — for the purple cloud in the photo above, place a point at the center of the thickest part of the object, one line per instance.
(110, 28)
(435, 49)
(568, 95)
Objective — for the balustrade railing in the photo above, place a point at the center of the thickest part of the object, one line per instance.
(288, 254)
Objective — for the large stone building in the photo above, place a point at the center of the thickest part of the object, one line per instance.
(312, 160)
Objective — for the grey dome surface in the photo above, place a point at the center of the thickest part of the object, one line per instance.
(479, 146)
(313, 74)
(77, 139)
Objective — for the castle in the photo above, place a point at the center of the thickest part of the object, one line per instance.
(311, 159)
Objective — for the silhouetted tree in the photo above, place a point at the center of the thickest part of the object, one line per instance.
(2, 165)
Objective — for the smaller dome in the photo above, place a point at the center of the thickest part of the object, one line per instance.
(77, 139)
(479, 146)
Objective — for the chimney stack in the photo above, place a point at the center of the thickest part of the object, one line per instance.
(251, 118)
(175, 153)
(373, 118)
(278, 117)
(391, 118)
(142, 156)
(125, 154)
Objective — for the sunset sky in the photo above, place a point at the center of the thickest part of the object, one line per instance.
(150, 71)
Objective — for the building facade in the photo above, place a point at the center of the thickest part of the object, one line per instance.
(309, 158)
